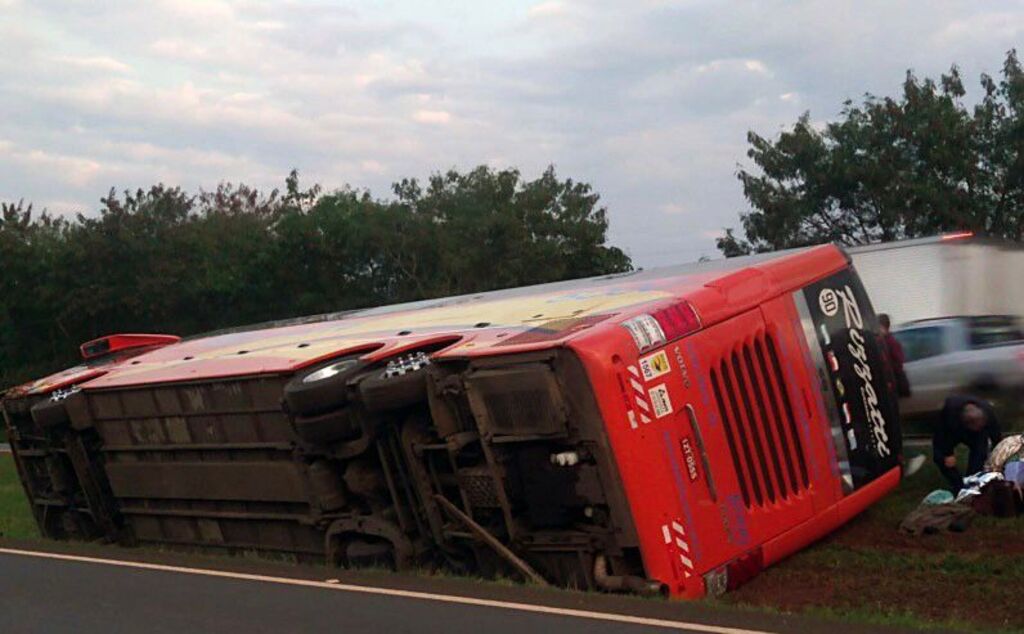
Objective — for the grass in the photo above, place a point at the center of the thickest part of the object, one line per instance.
(870, 572)
(16, 519)
(867, 572)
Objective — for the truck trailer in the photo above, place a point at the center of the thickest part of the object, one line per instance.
(670, 431)
(957, 274)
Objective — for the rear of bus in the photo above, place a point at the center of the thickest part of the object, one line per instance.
(748, 417)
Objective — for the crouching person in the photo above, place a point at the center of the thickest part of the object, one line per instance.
(964, 421)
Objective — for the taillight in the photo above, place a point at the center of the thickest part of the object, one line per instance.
(959, 235)
(677, 320)
(650, 330)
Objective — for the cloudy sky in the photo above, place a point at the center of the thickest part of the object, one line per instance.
(647, 100)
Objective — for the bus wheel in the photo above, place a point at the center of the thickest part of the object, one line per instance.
(320, 390)
(380, 393)
(401, 384)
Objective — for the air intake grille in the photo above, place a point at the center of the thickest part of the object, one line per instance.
(518, 401)
(516, 411)
(757, 415)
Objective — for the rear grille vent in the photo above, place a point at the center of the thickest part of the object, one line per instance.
(757, 414)
(518, 401)
(510, 412)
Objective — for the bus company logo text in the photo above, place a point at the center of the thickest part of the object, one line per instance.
(855, 326)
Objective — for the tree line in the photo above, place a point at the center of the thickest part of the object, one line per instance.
(165, 260)
(889, 168)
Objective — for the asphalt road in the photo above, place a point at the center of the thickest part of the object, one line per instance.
(64, 592)
(45, 595)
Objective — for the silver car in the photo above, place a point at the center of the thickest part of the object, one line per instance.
(978, 355)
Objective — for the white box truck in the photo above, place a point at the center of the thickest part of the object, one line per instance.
(956, 302)
(955, 274)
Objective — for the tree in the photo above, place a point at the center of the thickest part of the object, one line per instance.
(30, 247)
(165, 260)
(491, 229)
(890, 169)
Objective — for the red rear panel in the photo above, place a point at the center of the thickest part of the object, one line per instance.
(727, 439)
(717, 443)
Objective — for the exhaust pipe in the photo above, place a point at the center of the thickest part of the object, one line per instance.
(625, 583)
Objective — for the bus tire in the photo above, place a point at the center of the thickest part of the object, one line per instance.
(321, 389)
(379, 393)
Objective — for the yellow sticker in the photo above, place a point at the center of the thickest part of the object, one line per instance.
(654, 365)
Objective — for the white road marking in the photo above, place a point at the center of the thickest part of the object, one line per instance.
(393, 592)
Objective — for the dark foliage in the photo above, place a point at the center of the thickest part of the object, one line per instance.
(163, 260)
(890, 169)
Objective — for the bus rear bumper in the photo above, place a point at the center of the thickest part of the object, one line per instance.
(840, 513)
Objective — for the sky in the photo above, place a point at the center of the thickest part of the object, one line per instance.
(649, 101)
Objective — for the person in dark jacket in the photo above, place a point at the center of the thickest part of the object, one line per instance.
(894, 353)
(964, 421)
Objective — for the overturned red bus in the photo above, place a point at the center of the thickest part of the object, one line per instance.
(673, 430)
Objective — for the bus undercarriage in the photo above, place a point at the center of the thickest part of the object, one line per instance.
(492, 466)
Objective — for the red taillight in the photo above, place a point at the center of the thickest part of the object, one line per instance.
(960, 235)
(677, 320)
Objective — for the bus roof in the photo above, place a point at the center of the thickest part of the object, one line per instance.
(494, 322)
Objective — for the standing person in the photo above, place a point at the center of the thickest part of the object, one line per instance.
(894, 352)
(964, 421)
